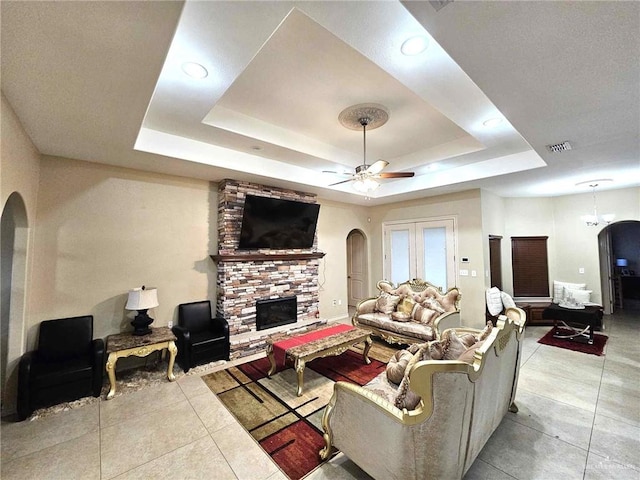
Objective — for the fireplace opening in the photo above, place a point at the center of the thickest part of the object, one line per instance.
(275, 312)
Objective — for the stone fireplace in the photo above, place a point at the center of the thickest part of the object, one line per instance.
(247, 277)
(275, 312)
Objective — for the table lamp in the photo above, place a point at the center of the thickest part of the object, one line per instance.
(142, 299)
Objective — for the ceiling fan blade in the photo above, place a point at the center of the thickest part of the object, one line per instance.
(333, 172)
(377, 167)
(343, 181)
(395, 175)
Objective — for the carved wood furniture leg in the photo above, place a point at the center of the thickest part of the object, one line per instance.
(272, 360)
(367, 346)
(300, 364)
(172, 356)
(111, 371)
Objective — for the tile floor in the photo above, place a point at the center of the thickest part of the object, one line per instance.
(579, 418)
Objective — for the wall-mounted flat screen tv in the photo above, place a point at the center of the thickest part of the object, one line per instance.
(277, 224)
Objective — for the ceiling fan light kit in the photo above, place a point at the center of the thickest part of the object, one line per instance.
(371, 116)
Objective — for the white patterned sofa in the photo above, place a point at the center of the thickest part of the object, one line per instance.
(459, 405)
(414, 311)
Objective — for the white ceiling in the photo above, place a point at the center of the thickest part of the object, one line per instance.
(102, 81)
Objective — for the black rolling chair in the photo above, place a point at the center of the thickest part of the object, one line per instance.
(67, 364)
(201, 338)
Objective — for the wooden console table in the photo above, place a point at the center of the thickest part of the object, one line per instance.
(126, 344)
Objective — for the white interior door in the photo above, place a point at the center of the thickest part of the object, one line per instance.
(435, 252)
(420, 249)
(399, 252)
(356, 267)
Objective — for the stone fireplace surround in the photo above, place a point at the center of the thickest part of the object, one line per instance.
(245, 276)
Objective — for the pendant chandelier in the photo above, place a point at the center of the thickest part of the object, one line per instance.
(595, 219)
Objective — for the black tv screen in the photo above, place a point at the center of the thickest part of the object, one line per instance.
(277, 224)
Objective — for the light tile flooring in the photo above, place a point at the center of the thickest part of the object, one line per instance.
(579, 418)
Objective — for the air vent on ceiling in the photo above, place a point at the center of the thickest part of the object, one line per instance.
(438, 4)
(559, 147)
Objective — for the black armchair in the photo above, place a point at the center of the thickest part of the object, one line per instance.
(201, 338)
(68, 364)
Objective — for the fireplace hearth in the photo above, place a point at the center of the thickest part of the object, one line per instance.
(275, 312)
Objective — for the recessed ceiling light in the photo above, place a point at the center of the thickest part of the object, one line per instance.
(492, 122)
(194, 70)
(414, 45)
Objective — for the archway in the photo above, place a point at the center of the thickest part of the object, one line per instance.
(14, 232)
(620, 265)
(357, 267)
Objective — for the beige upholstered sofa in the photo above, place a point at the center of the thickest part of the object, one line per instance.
(460, 404)
(414, 311)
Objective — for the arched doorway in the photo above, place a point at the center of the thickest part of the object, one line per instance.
(620, 266)
(357, 271)
(14, 232)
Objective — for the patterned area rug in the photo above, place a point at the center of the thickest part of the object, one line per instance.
(286, 426)
(597, 348)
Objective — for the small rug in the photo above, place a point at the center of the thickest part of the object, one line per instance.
(597, 348)
(286, 426)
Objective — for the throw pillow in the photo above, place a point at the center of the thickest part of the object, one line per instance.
(558, 289)
(433, 304)
(400, 317)
(468, 339)
(386, 303)
(406, 305)
(453, 346)
(435, 351)
(424, 315)
(414, 347)
(407, 398)
(468, 355)
(494, 301)
(580, 296)
(507, 300)
(397, 366)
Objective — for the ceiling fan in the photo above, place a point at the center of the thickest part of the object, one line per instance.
(362, 116)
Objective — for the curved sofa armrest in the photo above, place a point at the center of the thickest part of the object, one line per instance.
(219, 324)
(445, 321)
(517, 316)
(184, 341)
(367, 404)
(367, 305)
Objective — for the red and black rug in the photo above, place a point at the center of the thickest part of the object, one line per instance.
(286, 426)
(597, 348)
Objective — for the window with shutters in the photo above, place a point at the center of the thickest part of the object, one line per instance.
(530, 266)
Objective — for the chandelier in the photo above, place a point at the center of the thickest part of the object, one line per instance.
(595, 219)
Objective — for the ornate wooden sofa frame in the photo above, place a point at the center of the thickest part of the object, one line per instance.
(461, 405)
(383, 326)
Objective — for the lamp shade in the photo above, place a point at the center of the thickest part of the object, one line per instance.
(622, 262)
(142, 299)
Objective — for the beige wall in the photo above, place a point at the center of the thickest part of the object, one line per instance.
(466, 207)
(103, 230)
(572, 245)
(20, 161)
(335, 222)
(493, 223)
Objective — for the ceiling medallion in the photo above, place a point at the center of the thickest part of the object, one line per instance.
(373, 114)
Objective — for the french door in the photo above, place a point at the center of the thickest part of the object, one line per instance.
(420, 249)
